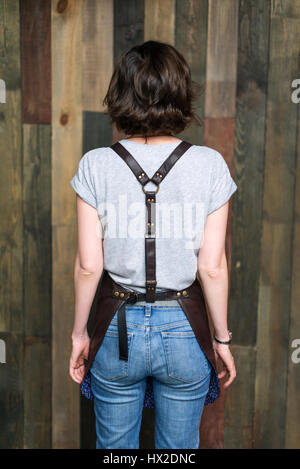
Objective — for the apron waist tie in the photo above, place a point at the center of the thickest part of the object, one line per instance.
(131, 298)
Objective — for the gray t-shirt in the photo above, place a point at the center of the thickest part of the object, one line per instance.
(198, 184)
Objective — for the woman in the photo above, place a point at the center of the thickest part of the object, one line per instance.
(159, 305)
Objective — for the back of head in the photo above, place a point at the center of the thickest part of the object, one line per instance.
(151, 91)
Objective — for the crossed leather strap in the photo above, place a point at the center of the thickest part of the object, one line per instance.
(150, 249)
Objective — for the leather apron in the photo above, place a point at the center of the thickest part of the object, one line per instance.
(112, 297)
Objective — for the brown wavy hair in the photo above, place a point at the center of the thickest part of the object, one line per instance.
(151, 91)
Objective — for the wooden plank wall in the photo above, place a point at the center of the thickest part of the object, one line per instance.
(57, 57)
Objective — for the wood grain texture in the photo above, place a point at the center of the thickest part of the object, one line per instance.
(97, 132)
(219, 135)
(276, 269)
(36, 61)
(248, 169)
(97, 64)
(221, 70)
(191, 41)
(66, 152)
(240, 400)
(159, 20)
(248, 163)
(128, 25)
(37, 285)
(11, 232)
(292, 419)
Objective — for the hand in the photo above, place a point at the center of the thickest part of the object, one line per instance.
(80, 350)
(224, 353)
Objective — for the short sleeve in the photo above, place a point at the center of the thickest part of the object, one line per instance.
(222, 185)
(82, 181)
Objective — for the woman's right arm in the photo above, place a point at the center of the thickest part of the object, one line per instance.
(213, 273)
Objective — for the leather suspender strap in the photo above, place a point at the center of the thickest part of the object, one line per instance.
(150, 232)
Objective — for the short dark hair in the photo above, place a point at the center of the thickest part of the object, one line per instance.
(151, 91)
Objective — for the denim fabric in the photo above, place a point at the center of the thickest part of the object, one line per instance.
(161, 344)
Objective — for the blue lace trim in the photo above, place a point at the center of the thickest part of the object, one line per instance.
(211, 396)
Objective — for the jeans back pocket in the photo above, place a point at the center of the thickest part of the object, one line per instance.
(107, 363)
(185, 358)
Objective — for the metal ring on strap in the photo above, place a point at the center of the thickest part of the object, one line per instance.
(157, 189)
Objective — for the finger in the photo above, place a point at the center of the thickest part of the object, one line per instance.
(73, 371)
(222, 374)
(232, 376)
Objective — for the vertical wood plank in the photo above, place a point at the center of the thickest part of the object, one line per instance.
(128, 25)
(36, 62)
(219, 134)
(292, 425)
(97, 52)
(66, 152)
(221, 58)
(276, 269)
(159, 20)
(191, 41)
(11, 231)
(97, 132)
(239, 430)
(37, 285)
(247, 212)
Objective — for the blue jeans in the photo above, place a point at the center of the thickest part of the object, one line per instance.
(161, 344)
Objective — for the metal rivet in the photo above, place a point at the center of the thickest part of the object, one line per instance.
(116, 293)
(122, 294)
(178, 293)
(184, 292)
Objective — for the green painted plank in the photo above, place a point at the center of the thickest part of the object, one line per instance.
(128, 25)
(97, 131)
(37, 285)
(11, 231)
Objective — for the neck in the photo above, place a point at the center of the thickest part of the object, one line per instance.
(156, 140)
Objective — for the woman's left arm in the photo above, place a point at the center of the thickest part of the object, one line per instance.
(87, 273)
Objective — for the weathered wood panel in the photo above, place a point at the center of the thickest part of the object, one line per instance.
(128, 25)
(97, 46)
(97, 132)
(66, 152)
(37, 285)
(221, 58)
(11, 231)
(240, 400)
(292, 419)
(36, 61)
(247, 215)
(159, 20)
(276, 269)
(191, 41)
(219, 134)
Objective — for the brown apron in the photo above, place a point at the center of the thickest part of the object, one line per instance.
(113, 297)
